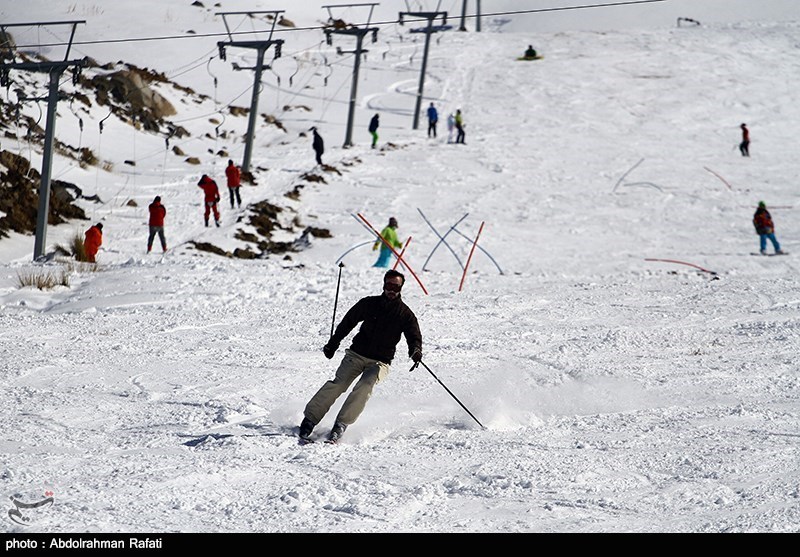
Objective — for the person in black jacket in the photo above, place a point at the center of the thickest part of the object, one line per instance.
(383, 319)
(373, 130)
(318, 145)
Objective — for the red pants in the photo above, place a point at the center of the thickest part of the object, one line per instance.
(211, 206)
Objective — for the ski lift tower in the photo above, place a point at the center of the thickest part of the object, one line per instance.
(260, 47)
(54, 69)
(463, 26)
(338, 27)
(429, 30)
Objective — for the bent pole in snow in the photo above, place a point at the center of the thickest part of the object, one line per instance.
(397, 261)
(353, 248)
(471, 251)
(479, 247)
(683, 263)
(371, 231)
(441, 239)
(448, 390)
(628, 172)
(724, 181)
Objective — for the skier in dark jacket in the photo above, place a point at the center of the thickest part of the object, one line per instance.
(373, 130)
(383, 319)
(762, 221)
(318, 145)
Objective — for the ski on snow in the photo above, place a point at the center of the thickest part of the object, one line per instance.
(308, 441)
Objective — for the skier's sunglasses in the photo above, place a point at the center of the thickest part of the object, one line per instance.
(392, 287)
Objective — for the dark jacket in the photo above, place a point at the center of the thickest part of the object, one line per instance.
(763, 222)
(318, 144)
(384, 320)
(433, 114)
(373, 124)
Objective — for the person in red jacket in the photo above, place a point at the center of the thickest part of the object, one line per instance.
(234, 182)
(744, 146)
(157, 214)
(92, 242)
(211, 190)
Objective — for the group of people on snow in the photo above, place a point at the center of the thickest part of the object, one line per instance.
(211, 195)
(93, 237)
(455, 123)
(384, 318)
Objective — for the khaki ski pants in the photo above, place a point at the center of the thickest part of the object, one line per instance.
(371, 371)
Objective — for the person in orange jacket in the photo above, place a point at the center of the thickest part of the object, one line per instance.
(92, 242)
(156, 223)
(211, 190)
(234, 177)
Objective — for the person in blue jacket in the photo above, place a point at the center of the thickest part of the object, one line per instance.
(433, 118)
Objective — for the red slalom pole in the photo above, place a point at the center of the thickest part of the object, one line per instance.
(724, 181)
(397, 261)
(475, 243)
(385, 243)
(682, 263)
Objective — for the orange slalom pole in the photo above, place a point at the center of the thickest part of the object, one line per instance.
(397, 261)
(475, 243)
(681, 263)
(385, 243)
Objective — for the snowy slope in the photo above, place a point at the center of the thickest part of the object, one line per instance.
(619, 394)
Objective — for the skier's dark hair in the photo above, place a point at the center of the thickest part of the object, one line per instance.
(392, 273)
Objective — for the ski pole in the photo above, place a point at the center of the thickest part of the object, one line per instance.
(446, 389)
(336, 301)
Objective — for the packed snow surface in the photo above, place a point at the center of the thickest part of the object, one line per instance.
(634, 365)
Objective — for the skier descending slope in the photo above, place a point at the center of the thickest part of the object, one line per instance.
(383, 319)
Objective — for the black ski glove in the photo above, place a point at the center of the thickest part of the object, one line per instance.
(330, 349)
(416, 355)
